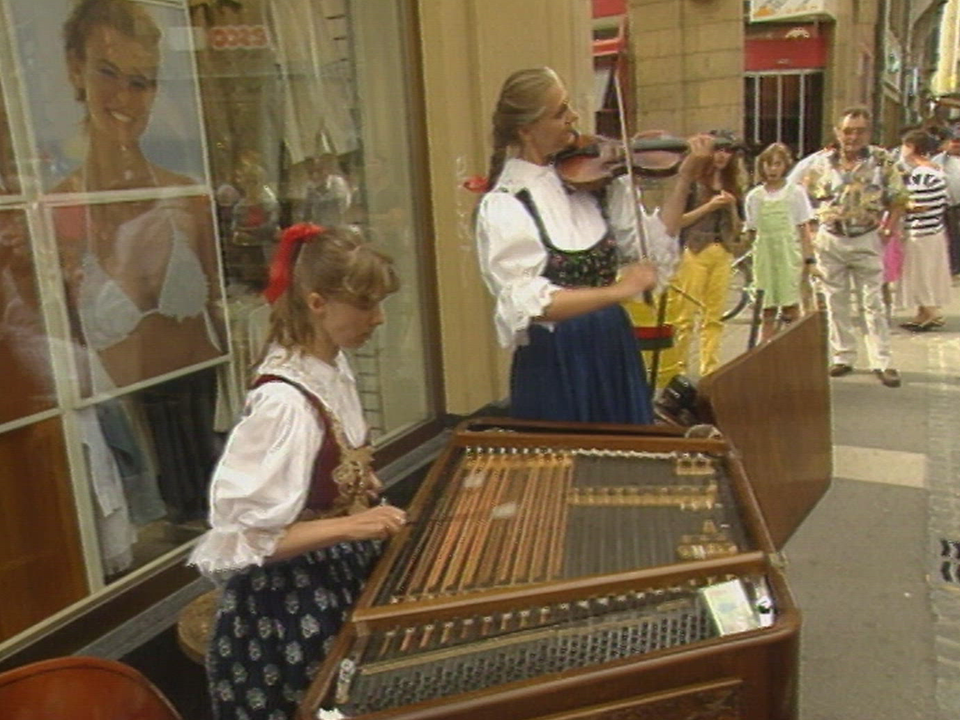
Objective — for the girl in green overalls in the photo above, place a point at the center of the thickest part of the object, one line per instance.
(777, 216)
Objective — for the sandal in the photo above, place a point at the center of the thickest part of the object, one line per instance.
(932, 324)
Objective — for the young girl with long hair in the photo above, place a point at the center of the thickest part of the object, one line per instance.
(777, 216)
(709, 230)
(293, 534)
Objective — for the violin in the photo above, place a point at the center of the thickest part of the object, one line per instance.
(592, 161)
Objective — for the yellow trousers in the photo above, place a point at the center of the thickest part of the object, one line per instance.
(705, 276)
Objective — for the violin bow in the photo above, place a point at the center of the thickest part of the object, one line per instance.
(625, 141)
(638, 225)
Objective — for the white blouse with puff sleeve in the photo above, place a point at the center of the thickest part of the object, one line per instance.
(511, 255)
(262, 481)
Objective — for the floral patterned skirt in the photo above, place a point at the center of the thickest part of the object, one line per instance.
(274, 626)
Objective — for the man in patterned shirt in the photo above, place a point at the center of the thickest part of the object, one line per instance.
(859, 197)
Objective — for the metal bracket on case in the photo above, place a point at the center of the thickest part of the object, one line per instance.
(348, 669)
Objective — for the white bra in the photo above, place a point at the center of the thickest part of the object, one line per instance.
(108, 315)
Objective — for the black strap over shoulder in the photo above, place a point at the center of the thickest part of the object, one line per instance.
(526, 199)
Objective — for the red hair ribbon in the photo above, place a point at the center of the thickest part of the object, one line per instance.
(281, 267)
(476, 184)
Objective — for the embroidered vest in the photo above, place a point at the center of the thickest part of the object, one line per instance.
(716, 226)
(341, 475)
(594, 267)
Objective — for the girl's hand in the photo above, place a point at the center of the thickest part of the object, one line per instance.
(723, 199)
(377, 523)
(812, 271)
(699, 157)
(636, 278)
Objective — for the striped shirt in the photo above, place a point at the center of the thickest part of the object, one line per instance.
(928, 194)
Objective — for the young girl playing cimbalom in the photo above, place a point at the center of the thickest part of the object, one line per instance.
(293, 537)
(777, 216)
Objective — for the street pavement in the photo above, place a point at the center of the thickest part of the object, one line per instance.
(875, 567)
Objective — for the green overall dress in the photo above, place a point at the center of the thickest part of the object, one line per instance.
(777, 259)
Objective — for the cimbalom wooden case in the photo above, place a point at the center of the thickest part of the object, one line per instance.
(562, 572)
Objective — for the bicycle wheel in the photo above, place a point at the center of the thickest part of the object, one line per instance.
(738, 292)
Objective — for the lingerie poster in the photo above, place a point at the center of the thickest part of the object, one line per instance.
(112, 93)
(28, 385)
(142, 287)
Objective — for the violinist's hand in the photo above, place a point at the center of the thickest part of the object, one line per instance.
(637, 278)
(699, 155)
(377, 523)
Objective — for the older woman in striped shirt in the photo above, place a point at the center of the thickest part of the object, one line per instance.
(925, 282)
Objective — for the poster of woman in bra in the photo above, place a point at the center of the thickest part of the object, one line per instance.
(122, 174)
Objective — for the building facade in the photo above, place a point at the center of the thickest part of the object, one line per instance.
(782, 71)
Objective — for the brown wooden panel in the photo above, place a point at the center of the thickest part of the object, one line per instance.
(81, 688)
(41, 567)
(773, 405)
(711, 701)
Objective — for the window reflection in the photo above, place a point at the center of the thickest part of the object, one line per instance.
(132, 264)
(9, 182)
(24, 350)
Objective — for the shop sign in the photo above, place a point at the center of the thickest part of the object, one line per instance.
(238, 37)
(767, 10)
(784, 47)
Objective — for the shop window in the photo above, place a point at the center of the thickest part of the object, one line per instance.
(784, 107)
(150, 153)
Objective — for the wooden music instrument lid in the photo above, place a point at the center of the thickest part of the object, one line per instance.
(773, 405)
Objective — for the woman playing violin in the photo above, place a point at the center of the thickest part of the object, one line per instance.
(550, 255)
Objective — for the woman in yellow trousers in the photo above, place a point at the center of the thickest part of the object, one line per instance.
(708, 225)
(709, 230)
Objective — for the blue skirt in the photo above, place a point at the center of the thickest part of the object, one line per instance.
(274, 625)
(587, 369)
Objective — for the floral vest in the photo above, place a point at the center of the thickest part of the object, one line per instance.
(594, 267)
(341, 474)
(716, 226)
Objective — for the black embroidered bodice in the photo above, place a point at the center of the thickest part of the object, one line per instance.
(594, 267)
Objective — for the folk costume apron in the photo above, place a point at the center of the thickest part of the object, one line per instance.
(586, 368)
(777, 259)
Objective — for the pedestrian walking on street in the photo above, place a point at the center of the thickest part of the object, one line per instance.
(859, 197)
(949, 162)
(925, 283)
